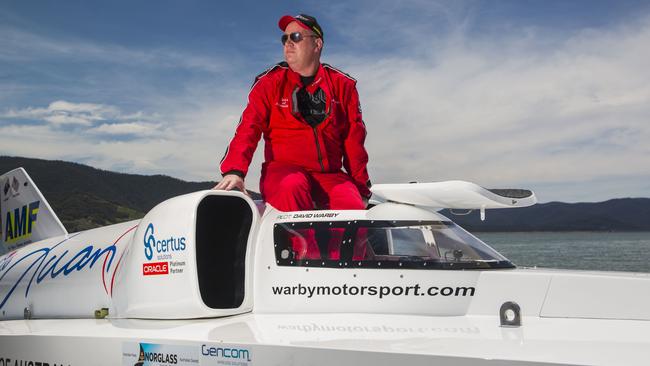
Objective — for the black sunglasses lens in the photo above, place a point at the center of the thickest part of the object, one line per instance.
(296, 37)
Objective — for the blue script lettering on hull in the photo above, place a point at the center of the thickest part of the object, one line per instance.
(52, 265)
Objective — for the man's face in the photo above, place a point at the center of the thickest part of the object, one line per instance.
(304, 52)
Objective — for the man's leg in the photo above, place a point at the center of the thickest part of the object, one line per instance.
(341, 193)
(336, 191)
(288, 188)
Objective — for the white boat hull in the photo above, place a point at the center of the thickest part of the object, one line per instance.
(211, 278)
(320, 339)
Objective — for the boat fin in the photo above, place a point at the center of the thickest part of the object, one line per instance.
(26, 216)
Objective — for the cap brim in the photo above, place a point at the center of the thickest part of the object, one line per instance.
(285, 20)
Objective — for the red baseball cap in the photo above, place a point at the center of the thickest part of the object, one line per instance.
(304, 20)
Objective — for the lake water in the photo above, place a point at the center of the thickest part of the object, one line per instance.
(609, 251)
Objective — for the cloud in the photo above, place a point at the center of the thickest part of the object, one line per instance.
(519, 110)
(187, 143)
(96, 119)
(139, 129)
(61, 112)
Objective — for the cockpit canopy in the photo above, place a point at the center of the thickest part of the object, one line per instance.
(413, 244)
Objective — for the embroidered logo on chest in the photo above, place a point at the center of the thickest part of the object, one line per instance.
(283, 103)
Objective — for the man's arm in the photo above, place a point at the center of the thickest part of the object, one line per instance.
(254, 120)
(355, 156)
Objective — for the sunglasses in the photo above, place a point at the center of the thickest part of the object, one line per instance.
(295, 37)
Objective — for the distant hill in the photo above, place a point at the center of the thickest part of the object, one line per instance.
(622, 214)
(84, 197)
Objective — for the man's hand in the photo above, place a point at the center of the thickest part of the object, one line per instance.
(232, 181)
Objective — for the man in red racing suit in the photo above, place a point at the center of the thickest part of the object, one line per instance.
(310, 117)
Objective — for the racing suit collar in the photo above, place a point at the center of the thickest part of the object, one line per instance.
(319, 78)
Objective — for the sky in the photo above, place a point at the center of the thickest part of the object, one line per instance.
(552, 96)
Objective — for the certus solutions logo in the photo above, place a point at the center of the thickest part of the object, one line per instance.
(162, 250)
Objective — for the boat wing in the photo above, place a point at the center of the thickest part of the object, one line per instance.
(454, 194)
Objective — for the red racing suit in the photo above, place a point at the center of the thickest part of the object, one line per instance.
(272, 111)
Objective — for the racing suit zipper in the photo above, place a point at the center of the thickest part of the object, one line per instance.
(320, 157)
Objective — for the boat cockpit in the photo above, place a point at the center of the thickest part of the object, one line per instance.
(408, 244)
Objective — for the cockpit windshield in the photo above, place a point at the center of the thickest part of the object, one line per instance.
(383, 244)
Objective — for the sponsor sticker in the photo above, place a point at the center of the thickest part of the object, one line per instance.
(156, 268)
(151, 354)
(15, 185)
(20, 222)
(11, 188)
(167, 253)
(6, 187)
(224, 354)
